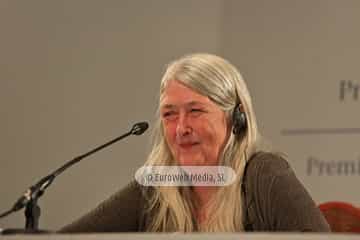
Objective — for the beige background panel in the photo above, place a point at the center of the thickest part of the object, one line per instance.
(294, 55)
(75, 74)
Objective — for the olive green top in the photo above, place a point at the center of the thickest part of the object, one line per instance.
(274, 200)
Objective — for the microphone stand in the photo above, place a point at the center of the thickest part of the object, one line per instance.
(31, 196)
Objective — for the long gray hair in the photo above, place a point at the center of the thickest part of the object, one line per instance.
(173, 207)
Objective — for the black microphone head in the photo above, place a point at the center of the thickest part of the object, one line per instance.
(139, 128)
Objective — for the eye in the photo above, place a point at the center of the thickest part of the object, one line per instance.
(166, 114)
(196, 112)
(169, 114)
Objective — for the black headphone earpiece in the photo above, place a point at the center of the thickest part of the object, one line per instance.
(238, 120)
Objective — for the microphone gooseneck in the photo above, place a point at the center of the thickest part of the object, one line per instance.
(31, 195)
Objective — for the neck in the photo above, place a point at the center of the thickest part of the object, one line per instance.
(204, 193)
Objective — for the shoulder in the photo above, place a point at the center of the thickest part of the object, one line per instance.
(129, 193)
(276, 199)
(266, 174)
(267, 164)
(118, 213)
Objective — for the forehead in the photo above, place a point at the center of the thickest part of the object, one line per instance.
(177, 93)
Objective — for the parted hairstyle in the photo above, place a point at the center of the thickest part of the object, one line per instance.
(173, 207)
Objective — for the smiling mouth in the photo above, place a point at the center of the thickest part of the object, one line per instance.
(188, 145)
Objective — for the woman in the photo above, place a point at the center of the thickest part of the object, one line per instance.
(206, 119)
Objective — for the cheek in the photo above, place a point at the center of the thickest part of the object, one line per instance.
(215, 135)
(169, 132)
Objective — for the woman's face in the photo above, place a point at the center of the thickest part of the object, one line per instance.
(195, 128)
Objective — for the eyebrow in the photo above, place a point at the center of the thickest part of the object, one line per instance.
(192, 103)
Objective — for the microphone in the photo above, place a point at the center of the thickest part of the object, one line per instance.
(31, 195)
(139, 128)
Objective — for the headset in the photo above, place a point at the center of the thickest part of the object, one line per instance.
(238, 120)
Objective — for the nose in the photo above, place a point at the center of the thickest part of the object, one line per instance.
(183, 127)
